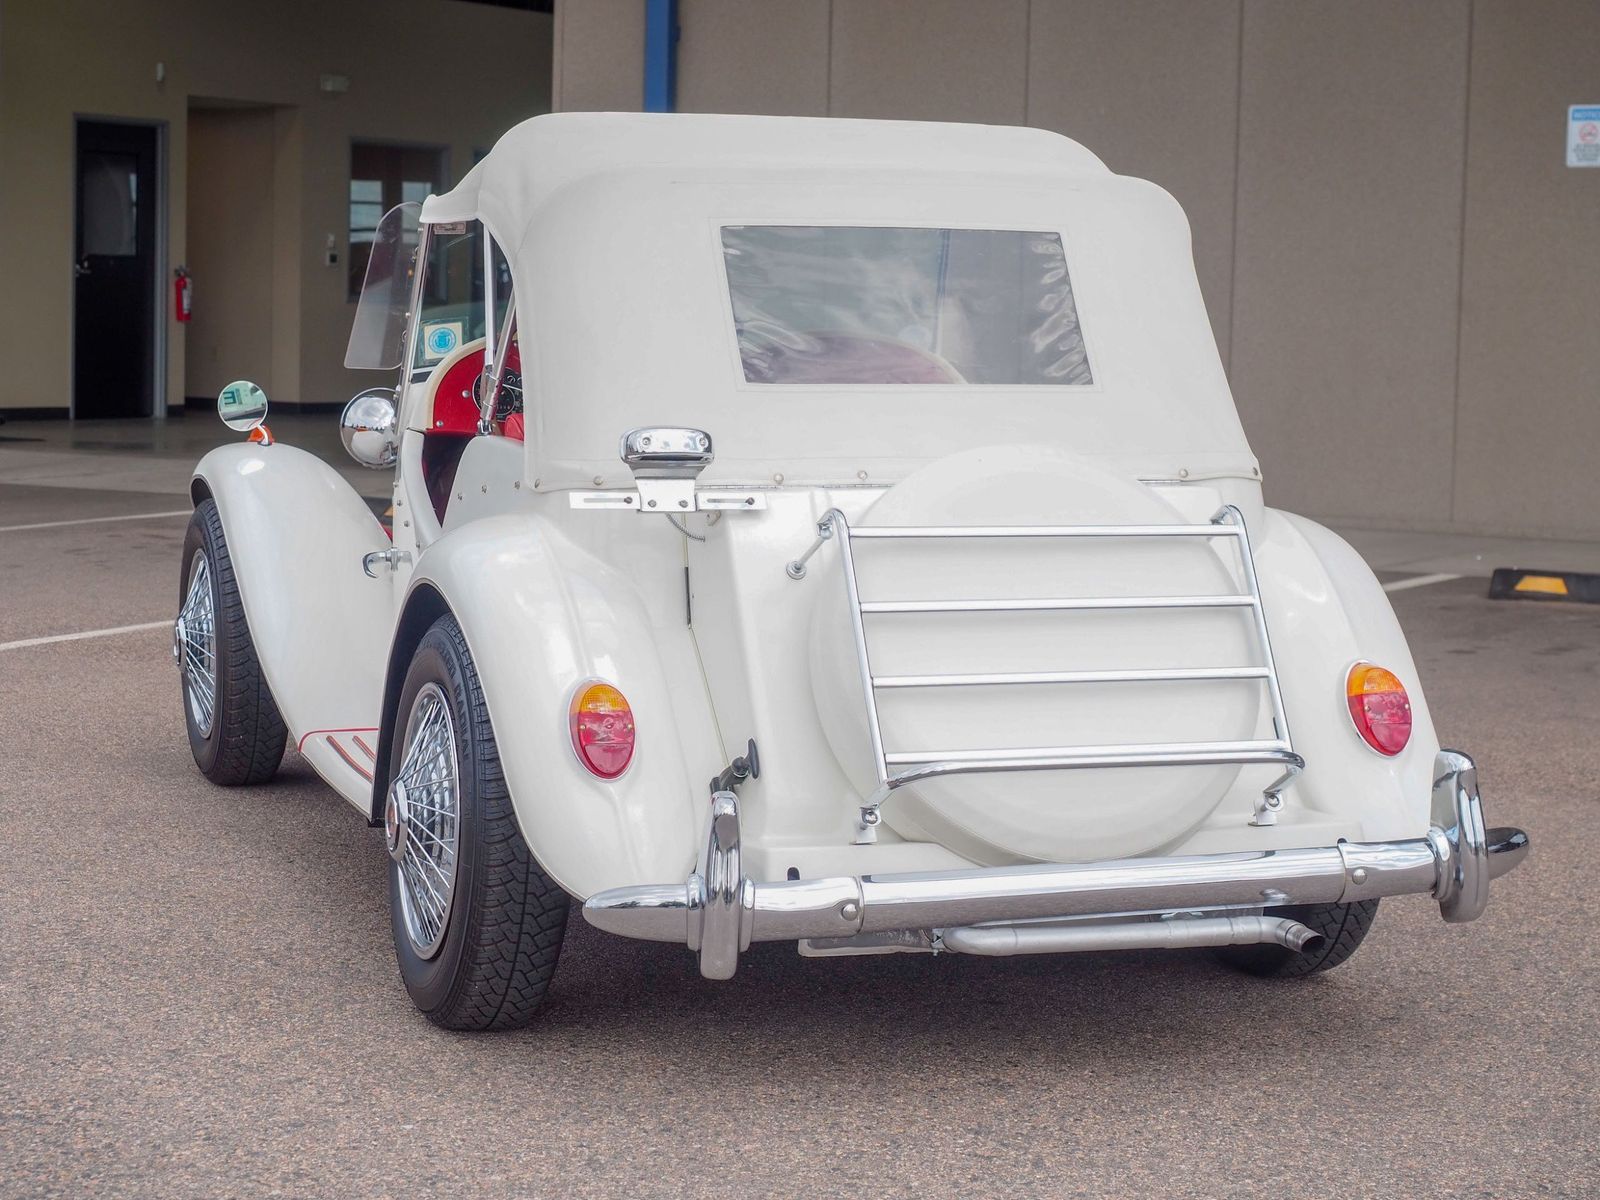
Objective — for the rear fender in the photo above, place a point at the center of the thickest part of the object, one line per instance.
(1326, 611)
(296, 534)
(540, 615)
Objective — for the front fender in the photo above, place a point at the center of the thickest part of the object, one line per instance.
(1325, 611)
(296, 535)
(540, 616)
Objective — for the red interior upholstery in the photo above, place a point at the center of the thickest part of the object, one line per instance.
(454, 408)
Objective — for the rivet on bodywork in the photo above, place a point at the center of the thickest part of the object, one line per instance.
(849, 910)
(1359, 875)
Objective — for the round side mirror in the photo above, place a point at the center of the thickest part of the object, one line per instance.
(242, 405)
(370, 428)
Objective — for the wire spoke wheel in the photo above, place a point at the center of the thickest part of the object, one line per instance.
(195, 642)
(423, 821)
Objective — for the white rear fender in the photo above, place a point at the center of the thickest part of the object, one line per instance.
(296, 535)
(540, 616)
(1326, 611)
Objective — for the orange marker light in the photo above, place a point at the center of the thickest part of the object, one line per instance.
(602, 729)
(1379, 707)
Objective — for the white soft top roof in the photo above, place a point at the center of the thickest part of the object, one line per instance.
(611, 224)
(536, 158)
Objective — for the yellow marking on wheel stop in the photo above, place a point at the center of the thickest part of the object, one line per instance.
(1545, 585)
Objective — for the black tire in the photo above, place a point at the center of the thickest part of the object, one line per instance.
(246, 738)
(1342, 927)
(506, 917)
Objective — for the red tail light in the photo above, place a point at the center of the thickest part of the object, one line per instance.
(1380, 708)
(602, 729)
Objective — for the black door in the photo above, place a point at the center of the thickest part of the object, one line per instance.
(114, 309)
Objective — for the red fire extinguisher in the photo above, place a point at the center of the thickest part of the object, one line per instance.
(183, 294)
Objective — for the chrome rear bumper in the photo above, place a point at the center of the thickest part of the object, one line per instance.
(719, 911)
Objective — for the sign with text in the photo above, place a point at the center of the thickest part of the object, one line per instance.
(1583, 135)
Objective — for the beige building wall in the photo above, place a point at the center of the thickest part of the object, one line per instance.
(1403, 277)
(433, 72)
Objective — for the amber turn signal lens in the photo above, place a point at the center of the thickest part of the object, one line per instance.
(1379, 707)
(602, 729)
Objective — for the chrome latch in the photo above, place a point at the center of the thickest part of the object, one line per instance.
(391, 558)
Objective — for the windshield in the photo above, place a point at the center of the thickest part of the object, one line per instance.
(869, 305)
(452, 297)
(379, 330)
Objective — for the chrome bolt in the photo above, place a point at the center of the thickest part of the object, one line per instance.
(1359, 875)
(849, 910)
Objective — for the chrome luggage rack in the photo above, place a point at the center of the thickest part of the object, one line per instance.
(897, 769)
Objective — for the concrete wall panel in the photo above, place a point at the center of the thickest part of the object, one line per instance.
(1151, 86)
(754, 56)
(1348, 252)
(599, 56)
(930, 60)
(1528, 443)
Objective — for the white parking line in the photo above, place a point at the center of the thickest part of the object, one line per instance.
(87, 633)
(182, 512)
(1401, 585)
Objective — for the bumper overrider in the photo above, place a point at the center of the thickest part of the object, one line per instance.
(1210, 899)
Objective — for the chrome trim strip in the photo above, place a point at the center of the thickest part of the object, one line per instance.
(1270, 752)
(1044, 531)
(1006, 679)
(1055, 604)
(711, 914)
(934, 768)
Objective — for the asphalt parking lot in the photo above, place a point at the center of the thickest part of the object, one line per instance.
(198, 996)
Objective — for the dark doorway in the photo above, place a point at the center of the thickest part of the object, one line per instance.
(114, 305)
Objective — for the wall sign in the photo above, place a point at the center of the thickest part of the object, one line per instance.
(1583, 135)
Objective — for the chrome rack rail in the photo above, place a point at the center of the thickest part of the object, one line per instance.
(897, 769)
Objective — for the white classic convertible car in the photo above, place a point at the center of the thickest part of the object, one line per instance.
(832, 532)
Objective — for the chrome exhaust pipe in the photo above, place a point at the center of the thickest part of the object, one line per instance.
(1173, 934)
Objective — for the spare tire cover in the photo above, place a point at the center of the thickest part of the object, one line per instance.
(1074, 815)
